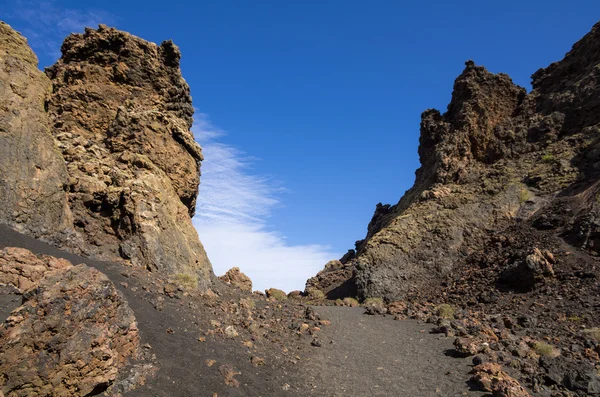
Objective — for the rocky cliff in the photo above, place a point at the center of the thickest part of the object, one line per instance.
(98, 156)
(498, 157)
(33, 176)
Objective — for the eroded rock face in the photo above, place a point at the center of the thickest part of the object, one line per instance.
(32, 172)
(71, 336)
(497, 156)
(121, 115)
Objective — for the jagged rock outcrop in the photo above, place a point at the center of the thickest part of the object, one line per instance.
(97, 156)
(33, 176)
(496, 157)
(71, 335)
(121, 115)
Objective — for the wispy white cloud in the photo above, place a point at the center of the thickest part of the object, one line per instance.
(45, 23)
(232, 219)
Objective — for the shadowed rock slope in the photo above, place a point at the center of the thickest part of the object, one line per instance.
(498, 157)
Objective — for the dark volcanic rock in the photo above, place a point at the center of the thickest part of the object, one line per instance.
(71, 336)
(121, 115)
(333, 280)
(525, 273)
(32, 172)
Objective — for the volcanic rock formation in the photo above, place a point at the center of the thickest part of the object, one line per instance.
(21, 270)
(496, 158)
(122, 115)
(98, 157)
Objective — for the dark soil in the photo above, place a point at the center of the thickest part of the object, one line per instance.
(356, 354)
(376, 356)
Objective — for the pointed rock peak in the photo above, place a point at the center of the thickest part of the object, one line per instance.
(479, 91)
(481, 102)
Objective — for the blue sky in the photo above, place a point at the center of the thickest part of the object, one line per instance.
(309, 111)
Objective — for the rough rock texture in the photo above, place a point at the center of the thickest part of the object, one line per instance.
(336, 279)
(71, 335)
(497, 157)
(21, 269)
(121, 115)
(33, 174)
(491, 378)
(237, 279)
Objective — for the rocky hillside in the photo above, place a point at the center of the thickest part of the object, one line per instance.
(497, 159)
(97, 155)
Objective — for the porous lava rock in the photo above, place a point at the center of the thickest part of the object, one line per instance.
(21, 269)
(32, 172)
(71, 335)
(121, 115)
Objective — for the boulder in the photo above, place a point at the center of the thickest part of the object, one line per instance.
(276, 294)
(236, 278)
(72, 334)
(491, 378)
(524, 274)
(21, 269)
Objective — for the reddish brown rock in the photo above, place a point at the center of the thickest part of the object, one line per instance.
(229, 372)
(295, 295)
(22, 269)
(236, 278)
(491, 378)
(71, 336)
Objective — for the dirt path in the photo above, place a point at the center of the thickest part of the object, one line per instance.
(181, 359)
(369, 356)
(377, 356)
